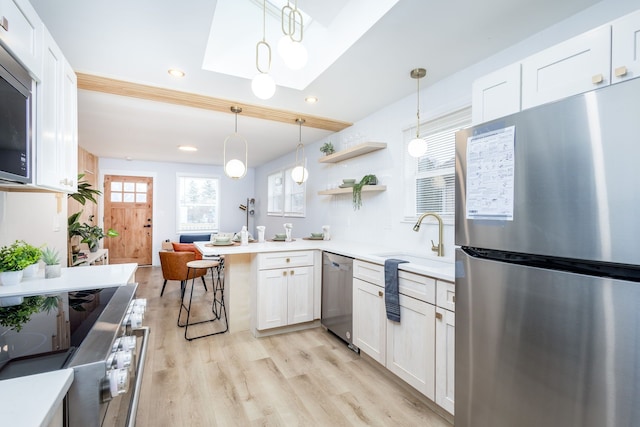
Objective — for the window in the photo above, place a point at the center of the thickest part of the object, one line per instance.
(430, 179)
(285, 196)
(198, 201)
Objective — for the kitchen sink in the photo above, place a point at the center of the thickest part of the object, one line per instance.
(420, 259)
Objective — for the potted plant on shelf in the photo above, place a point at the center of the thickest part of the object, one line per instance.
(88, 233)
(327, 148)
(33, 255)
(13, 260)
(357, 189)
(51, 258)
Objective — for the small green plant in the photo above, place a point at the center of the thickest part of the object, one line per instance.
(357, 189)
(14, 257)
(84, 192)
(32, 253)
(89, 233)
(327, 148)
(50, 256)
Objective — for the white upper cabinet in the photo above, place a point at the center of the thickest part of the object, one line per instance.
(57, 142)
(496, 94)
(625, 48)
(574, 66)
(21, 31)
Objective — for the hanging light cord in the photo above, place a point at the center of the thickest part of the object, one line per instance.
(263, 42)
(418, 113)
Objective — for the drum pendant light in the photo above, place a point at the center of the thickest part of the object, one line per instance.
(299, 173)
(235, 168)
(262, 84)
(417, 147)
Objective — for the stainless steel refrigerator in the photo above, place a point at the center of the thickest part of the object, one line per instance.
(548, 265)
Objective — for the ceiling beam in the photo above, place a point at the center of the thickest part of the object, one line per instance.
(153, 93)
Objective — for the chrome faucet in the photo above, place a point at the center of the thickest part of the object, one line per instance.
(439, 248)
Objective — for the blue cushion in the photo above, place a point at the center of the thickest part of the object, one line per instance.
(190, 238)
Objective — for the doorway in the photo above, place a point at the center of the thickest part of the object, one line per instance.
(128, 209)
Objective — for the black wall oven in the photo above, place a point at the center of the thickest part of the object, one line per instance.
(16, 120)
(99, 334)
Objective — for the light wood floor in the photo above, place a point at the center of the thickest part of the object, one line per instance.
(306, 378)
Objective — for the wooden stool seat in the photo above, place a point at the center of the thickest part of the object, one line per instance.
(202, 263)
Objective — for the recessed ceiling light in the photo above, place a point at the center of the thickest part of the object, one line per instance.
(187, 148)
(311, 99)
(175, 72)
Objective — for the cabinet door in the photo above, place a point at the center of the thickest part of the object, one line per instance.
(625, 48)
(49, 155)
(21, 31)
(411, 345)
(57, 142)
(369, 319)
(575, 66)
(496, 95)
(300, 295)
(272, 298)
(445, 358)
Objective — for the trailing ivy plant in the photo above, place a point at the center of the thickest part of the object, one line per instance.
(357, 189)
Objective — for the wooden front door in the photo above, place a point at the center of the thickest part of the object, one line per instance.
(128, 207)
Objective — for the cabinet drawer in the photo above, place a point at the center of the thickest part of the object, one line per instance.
(284, 259)
(446, 295)
(369, 272)
(419, 287)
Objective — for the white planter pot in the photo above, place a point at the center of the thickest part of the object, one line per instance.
(31, 271)
(51, 271)
(11, 301)
(10, 278)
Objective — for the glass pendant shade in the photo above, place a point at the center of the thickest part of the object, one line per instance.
(417, 147)
(263, 86)
(293, 53)
(299, 174)
(235, 169)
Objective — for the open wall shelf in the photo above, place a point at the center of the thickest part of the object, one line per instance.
(357, 150)
(365, 189)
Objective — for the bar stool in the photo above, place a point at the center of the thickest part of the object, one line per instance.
(217, 306)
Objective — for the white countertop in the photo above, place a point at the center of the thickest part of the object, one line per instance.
(430, 265)
(73, 279)
(32, 400)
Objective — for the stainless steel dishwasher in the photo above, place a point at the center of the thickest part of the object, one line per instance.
(337, 296)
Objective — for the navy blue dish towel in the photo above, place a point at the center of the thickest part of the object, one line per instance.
(391, 297)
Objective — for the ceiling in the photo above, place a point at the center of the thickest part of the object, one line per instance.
(139, 41)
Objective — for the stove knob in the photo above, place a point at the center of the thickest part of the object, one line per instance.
(135, 320)
(128, 342)
(118, 381)
(123, 359)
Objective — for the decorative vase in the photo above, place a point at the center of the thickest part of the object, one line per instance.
(93, 248)
(31, 270)
(51, 271)
(11, 278)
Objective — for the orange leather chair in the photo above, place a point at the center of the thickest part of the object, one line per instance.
(174, 267)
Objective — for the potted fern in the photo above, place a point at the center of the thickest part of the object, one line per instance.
(51, 259)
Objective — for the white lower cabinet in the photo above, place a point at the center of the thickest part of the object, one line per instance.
(369, 319)
(445, 358)
(285, 289)
(411, 343)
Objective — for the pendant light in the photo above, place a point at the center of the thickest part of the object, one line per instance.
(235, 168)
(299, 173)
(417, 147)
(290, 46)
(262, 84)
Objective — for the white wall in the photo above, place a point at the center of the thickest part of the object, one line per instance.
(381, 217)
(34, 218)
(232, 193)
